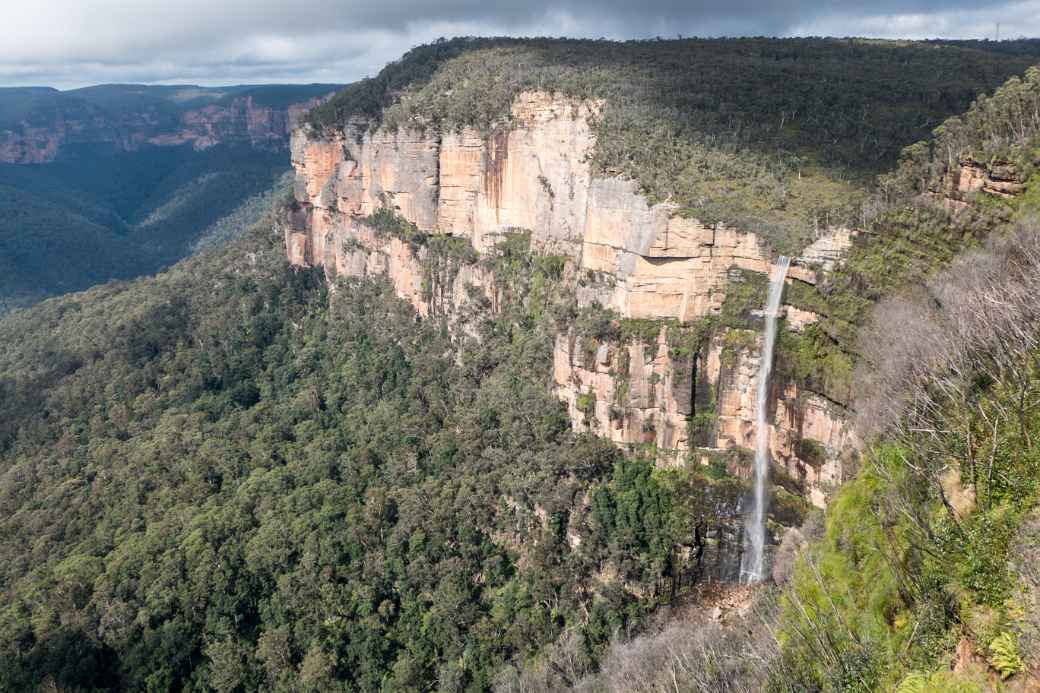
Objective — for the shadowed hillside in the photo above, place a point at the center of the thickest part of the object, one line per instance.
(116, 181)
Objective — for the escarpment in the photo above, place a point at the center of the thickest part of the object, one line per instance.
(41, 135)
(701, 404)
(641, 261)
(243, 119)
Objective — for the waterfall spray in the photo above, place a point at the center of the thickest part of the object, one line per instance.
(753, 562)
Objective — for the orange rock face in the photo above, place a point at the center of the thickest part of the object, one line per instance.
(630, 393)
(242, 119)
(635, 393)
(30, 146)
(969, 177)
(534, 176)
(639, 259)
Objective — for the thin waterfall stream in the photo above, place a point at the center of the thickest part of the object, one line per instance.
(752, 565)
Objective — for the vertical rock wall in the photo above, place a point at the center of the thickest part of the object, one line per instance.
(636, 393)
(638, 259)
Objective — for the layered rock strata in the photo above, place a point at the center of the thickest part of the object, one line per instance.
(635, 393)
(968, 177)
(641, 260)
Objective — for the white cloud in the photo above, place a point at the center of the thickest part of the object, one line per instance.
(76, 42)
(1015, 20)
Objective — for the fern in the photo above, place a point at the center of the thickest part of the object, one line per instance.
(938, 682)
(1004, 656)
(914, 682)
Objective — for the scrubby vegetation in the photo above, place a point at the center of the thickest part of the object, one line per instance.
(923, 577)
(918, 553)
(910, 233)
(754, 132)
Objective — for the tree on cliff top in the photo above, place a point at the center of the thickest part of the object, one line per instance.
(780, 137)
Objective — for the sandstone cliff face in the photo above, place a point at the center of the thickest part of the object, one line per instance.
(1000, 179)
(240, 120)
(31, 145)
(635, 393)
(460, 183)
(638, 259)
(535, 176)
(630, 393)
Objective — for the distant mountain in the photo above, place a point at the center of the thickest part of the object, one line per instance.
(38, 124)
(116, 181)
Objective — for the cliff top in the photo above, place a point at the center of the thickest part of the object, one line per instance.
(776, 136)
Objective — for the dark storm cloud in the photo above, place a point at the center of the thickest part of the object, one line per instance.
(75, 42)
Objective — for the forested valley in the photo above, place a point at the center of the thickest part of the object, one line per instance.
(241, 475)
(228, 478)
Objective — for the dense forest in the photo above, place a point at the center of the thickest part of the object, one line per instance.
(94, 216)
(922, 576)
(228, 478)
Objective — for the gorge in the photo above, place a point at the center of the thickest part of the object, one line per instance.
(116, 181)
(545, 349)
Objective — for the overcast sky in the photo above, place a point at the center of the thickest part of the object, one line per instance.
(69, 43)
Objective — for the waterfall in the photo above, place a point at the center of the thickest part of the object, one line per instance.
(753, 562)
